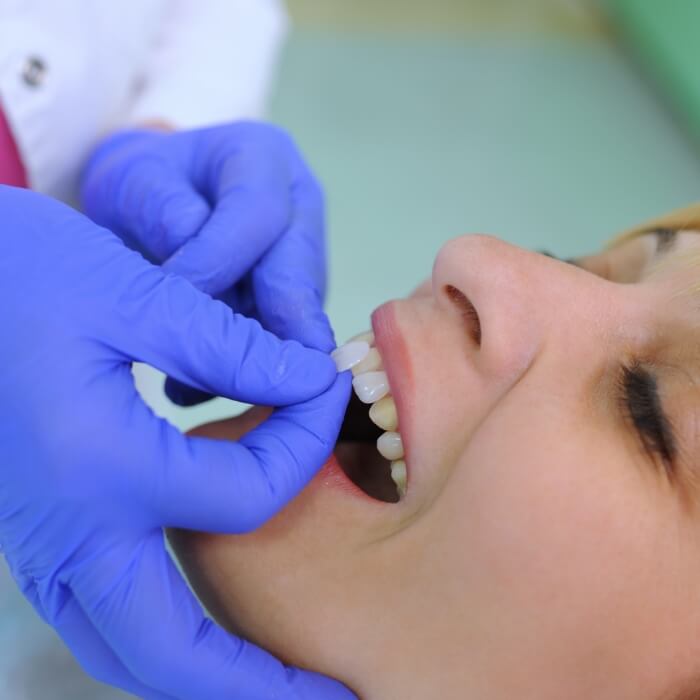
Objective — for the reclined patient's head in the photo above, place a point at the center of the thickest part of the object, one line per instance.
(548, 545)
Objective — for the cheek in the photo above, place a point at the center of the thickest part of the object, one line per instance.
(543, 520)
(556, 537)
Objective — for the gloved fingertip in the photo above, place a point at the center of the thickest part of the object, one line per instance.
(182, 395)
(315, 332)
(305, 372)
(320, 335)
(305, 322)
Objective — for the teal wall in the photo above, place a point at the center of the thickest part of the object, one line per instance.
(550, 141)
(663, 37)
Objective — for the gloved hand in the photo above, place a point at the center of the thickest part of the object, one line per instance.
(234, 209)
(89, 476)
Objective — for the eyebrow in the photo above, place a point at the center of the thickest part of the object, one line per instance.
(665, 240)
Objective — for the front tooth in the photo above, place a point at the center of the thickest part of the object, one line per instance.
(390, 446)
(383, 413)
(366, 337)
(350, 355)
(371, 386)
(398, 474)
(371, 363)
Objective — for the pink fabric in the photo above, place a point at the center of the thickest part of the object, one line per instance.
(11, 168)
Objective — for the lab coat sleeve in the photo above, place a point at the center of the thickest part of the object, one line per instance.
(212, 61)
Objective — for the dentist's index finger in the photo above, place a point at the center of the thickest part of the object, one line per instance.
(165, 321)
(289, 282)
(234, 487)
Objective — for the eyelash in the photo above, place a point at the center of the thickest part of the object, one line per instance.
(640, 401)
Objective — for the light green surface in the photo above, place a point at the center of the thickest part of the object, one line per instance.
(548, 143)
(664, 36)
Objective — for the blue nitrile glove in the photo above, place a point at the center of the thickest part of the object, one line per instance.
(89, 476)
(234, 209)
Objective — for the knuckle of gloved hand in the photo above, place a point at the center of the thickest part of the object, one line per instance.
(180, 216)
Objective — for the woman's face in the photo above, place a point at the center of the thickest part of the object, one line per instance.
(547, 546)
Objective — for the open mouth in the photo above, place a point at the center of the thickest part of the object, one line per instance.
(370, 448)
(357, 454)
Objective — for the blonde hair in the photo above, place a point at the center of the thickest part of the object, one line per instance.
(685, 219)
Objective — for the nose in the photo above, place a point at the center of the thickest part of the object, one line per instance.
(521, 299)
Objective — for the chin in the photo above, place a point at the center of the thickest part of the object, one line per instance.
(297, 586)
(270, 586)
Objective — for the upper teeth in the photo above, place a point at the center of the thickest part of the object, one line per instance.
(372, 387)
(390, 446)
(383, 414)
(371, 363)
(350, 355)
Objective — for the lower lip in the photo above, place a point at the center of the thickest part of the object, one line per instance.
(332, 476)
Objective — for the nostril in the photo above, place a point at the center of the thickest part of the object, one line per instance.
(468, 312)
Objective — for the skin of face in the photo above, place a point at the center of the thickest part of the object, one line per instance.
(541, 552)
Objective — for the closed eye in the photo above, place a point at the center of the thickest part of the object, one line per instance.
(642, 404)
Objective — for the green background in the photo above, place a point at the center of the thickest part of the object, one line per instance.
(663, 36)
(525, 119)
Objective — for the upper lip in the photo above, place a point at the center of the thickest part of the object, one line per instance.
(393, 349)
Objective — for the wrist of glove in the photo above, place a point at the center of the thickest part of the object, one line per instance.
(91, 476)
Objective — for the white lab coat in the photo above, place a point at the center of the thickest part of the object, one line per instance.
(73, 70)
